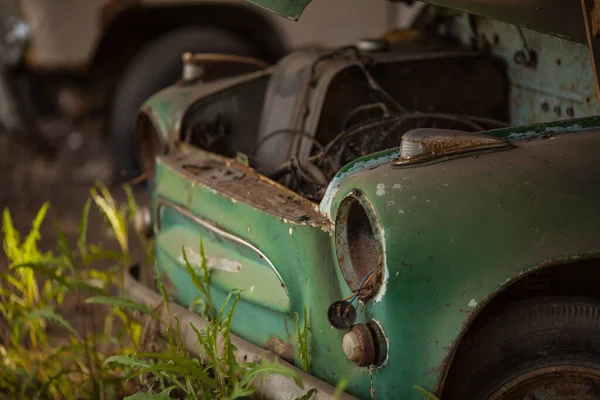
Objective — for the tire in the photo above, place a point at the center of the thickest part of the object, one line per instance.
(155, 67)
(523, 340)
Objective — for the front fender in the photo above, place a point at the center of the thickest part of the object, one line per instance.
(457, 232)
(167, 108)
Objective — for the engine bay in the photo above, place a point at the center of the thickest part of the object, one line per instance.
(366, 104)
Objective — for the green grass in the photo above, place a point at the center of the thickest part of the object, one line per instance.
(68, 363)
(302, 333)
(46, 355)
(216, 374)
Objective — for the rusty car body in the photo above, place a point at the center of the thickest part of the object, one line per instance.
(432, 202)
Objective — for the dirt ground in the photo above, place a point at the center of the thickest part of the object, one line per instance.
(27, 180)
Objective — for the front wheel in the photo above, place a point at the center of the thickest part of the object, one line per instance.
(535, 349)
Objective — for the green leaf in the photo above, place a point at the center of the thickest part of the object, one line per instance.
(340, 388)
(97, 255)
(107, 205)
(164, 395)
(128, 361)
(49, 314)
(203, 287)
(303, 339)
(161, 288)
(11, 241)
(193, 366)
(30, 242)
(122, 303)
(266, 368)
(238, 391)
(131, 203)
(425, 392)
(308, 395)
(230, 360)
(44, 269)
(64, 249)
(83, 227)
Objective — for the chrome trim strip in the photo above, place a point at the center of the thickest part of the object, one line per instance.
(166, 203)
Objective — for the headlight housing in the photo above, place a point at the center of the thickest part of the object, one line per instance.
(148, 143)
(358, 243)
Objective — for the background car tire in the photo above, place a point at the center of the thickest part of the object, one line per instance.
(523, 338)
(155, 67)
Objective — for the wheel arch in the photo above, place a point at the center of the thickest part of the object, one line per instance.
(140, 23)
(575, 276)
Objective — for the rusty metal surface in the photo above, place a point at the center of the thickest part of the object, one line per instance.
(209, 66)
(591, 17)
(434, 143)
(366, 343)
(358, 245)
(447, 228)
(281, 348)
(560, 85)
(557, 17)
(560, 382)
(242, 183)
(167, 108)
(299, 96)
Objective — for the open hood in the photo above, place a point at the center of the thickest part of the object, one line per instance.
(562, 18)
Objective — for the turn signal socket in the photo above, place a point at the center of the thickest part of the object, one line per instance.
(359, 346)
(365, 344)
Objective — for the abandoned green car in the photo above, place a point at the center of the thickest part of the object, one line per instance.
(433, 202)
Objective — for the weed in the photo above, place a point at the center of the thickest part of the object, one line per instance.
(340, 388)
(425, 393)
(202, 283)
(43, 355)
(302, 334)
(39, 362)
(216, 373)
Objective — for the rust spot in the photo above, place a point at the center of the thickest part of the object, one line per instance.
(557, 111)
(434, 370)
(239, 182)
(281, 348)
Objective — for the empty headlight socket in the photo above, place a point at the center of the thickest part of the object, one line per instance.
(358, 243)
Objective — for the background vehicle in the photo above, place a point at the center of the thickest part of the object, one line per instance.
(79, 58)
(447, 184)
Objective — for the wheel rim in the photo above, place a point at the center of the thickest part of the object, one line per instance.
(552, 383)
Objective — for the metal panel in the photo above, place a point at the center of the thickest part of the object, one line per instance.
(550, 78)
(455, 233)
(557, 17)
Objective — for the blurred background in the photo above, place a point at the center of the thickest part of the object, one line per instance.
(74, 73)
